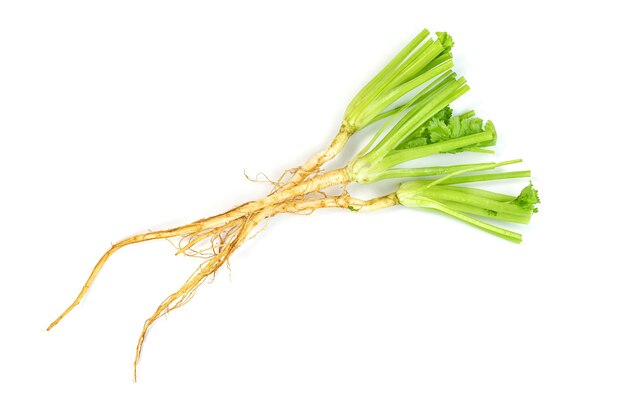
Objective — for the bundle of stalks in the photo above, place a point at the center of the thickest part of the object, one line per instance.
(410, 97)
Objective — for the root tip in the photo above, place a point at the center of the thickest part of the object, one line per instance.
(53, 324)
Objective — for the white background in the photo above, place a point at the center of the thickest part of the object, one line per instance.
(122, 116)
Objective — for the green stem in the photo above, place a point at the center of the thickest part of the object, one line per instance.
(507, 217)
(461, 196)
(480, 150)
(363, 94)
(395, 158)
(389, 98)
(440, 59)
(395, 173)
(423, 96)
(416, 117)
(492, 229)
(487, 177)
(498, 197)
(416, 63)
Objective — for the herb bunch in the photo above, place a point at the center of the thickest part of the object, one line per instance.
(410, 98)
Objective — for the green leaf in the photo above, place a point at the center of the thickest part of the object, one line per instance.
(443, 127)
(462, 127)
(438, 130)
(528, 198)
(423, 135)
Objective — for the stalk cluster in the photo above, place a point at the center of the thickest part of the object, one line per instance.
(410, 99)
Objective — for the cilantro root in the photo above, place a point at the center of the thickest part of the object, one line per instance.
(410, 100)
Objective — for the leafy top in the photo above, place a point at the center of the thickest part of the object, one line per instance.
(528, 198)
(443, 127)
(469, 204)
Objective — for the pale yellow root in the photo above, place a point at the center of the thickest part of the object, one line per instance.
(186, 292)
(344, 202)
(323, 181)
(132, 240)
(320, 182)
(164, 234)
(243, 229)
(313, 165)
(293, 206)
(195, 238)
